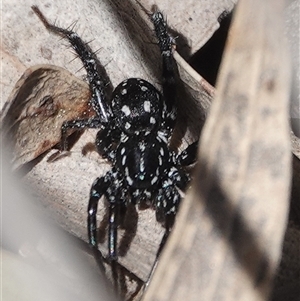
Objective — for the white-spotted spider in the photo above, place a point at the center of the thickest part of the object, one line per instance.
(135, 129)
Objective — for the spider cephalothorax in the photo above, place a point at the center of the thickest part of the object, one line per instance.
(135, 129)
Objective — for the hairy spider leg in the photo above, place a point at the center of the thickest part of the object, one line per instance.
(169, 69)
(78, 124)
(187, 157)
(113, 222)
(98, 188)
(90, 63)
(106, 186)
(180, 179)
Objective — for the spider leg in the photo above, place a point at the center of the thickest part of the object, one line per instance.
(154, 266)
(115, 195)
(105, 186)
(105, 143)
(166, 207)
(113, 222)
(78, 124)
(169, 222)
(98, 188)
(169, 67)
(189, 155)
(168, 200)
(90, 63)
(112, 231)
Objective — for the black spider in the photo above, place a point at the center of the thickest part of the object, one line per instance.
(136, 126)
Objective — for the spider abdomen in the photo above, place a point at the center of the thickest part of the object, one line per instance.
(142, 160)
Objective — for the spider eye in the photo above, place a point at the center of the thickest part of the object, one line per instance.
(138, 106)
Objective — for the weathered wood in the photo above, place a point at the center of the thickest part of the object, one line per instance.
(228, 235)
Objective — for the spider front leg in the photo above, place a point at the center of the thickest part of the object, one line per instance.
(166, 204)
(169, 68)
(91, 65)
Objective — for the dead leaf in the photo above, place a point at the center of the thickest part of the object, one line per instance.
(43, 98)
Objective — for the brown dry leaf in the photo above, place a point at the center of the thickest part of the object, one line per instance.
(228, 234)
(43, 98)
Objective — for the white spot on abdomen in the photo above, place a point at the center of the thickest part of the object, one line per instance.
(124, 160)
(147, 106)
(125, 109)
(129, 180)
(154, 180)
(152, 120)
